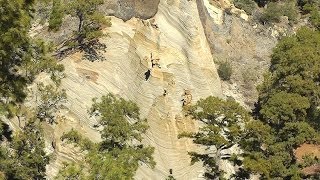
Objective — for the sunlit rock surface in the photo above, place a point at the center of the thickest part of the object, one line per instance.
(151, 62)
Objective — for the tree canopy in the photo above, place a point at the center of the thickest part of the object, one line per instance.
(119, 153)
(286, 116)
(287, 108)
(224, 122)
(26, 158)
(22, 154)
(90, 24)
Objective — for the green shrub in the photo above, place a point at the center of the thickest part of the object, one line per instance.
(274, 11)
(315, 18)
(247, 5)
(56, 16)
(290, 10)
(225, 71)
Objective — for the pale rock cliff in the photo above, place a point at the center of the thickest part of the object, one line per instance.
(156, 52)
(174, 36)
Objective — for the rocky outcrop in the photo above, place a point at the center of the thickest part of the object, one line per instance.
(127, 9)
(245, 44)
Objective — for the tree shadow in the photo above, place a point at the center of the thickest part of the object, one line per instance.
(147, 74)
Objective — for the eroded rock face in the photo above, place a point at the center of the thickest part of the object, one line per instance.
(158, 56)
(153, 63)
(127, 9)
(246, 45)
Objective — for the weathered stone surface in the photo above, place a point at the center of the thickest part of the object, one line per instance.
(175, 38)
(156, 51)
(245, 45)
(127, 9)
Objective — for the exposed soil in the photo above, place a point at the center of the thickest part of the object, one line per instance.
(308, 149)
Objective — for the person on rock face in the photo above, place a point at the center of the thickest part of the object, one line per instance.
(155, 62)
(165, 92)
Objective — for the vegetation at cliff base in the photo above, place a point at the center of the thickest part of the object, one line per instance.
(286, 116)
(223, 128)
(22, 58)
(119, 153)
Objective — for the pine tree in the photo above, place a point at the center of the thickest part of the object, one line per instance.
(90, 24)
(21, 58)
(120, 152)
(223, 128)
(27, 159)
(287, 109)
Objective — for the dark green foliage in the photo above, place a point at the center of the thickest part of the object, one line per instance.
(21, 58)
(42, 61)
(76, 138)
(295, 69)
(14, 46)
(247, 5)
(288, 100)
(315, 17)
(71, 171)
(56, 17)
(308, 5)
(50, 101)
(114, 113)
(269, 151)
(116, 157)
(89, 30)
(26, 159)
(225, 71)
(224, 127)
(272, 13)
(275, 10)
(90, 19)
(284, 107)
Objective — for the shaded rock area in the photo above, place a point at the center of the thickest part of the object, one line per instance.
(245, 44)
(127, 9)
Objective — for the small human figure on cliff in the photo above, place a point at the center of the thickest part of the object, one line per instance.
(187, 98)
(155, 62)
(164, 92)
(154, 24)
(147, 74)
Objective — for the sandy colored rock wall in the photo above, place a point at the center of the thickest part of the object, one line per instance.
(174, 36)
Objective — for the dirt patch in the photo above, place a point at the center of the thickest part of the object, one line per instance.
(314, 169)
(306, 149)
(88, 74)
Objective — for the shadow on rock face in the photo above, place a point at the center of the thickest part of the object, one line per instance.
(127, 9)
